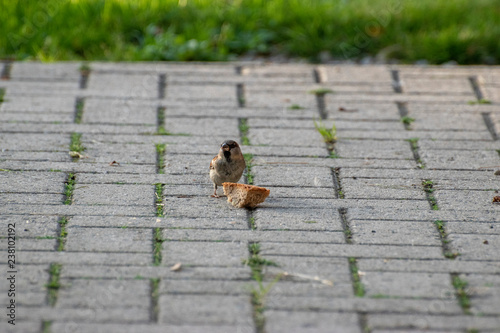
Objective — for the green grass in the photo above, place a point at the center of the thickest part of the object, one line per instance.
(248, 171)
(63, 233)
(69, 187)
(321, 91)
(244, 128)
(428, 186)
(160, 157)
(160, 114)
(296, 107)
(481, 101)
(221, 30)
(329, 134)
(460, 286)
(80, 104)
(53, 285)
(159, 199)
(406, 120)
(2, 94)
(157, 246)
(359, 288)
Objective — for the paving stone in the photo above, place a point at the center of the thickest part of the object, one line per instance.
(253, 236)
(206, 309)
(298, 219)
(203, 126)
(484, 291)
(59, 327)
(108, 239)
(27, 327)
(40, 142)
(394, 232)
(363, 110)
(32, 198)
(201, 207)
(84, 258)
(118, 111)
(453, 86)
(393, 284)
(356, 74)
(38, 104)
(139, 86)
(205, 92)
(32, 182)
(302, 321)
(292, 176)
(428, 266)
(98, 152)
(36, 118)
(454, 159)
(465, 199)
(446, 121)
(285, 137)
(105, 194)
(370, 149)
(218, 287)
(362, 251)
(476, 247)
(221, 253)
(369, 305)
(42, 88)
(457, 322)
(63, 71)
(34, 226)
(100, 294)
(267, 99)
(410, 189)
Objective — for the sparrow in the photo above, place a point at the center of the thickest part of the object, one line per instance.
(228, 166)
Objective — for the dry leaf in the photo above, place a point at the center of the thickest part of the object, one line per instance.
(114, 163)
(496, 199)
(361, 273)
(176, 267)
(75, 154)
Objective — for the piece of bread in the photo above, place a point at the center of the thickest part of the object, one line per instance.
(242, 195)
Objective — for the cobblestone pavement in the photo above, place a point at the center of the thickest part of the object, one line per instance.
(392, 229)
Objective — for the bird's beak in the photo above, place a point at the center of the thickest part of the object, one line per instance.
(225, 147)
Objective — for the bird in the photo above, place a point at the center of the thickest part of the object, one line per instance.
(227, 166)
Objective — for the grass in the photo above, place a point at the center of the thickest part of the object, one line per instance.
(63, 233)
(480, 101)
(428, 186)
(69, 187)
(79, 105)
(248, 171)
(460, 286)
(46, 326)
(222, 30)
(415, 148)
(321, 91)
(53, 285)
(244, 128)
(256, 264)
(157, 246)
(155, 296)
(359, 288)
(160, 157)
(160, 114)
(2, 94)
(329, 134)
(159, 200)
(296, 107)
(406, 120)
(76, 147)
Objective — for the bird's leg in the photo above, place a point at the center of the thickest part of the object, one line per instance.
(215, 192)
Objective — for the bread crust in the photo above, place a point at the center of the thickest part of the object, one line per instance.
(243, 195)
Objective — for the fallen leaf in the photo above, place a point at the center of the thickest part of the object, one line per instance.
(497, 173)
(485, 242)
(343, 109)
(496, 199)
(114, 163)
(361, 273)
(75, 154)
(177, 267)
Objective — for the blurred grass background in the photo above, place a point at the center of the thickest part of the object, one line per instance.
(436, 31)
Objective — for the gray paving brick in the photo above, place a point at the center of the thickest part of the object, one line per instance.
(59, 327)
(109, 239)
(302, 321)
(220, 253)
(206, 309)
(193, 287)
(396, 284)
(465, 199)
(292, 176)
(253, 236)
(38, 104)
(463, 160)
(457, 322)
(285, 137)
(484, 291)
(452, 85)
(43, 142)
(106, 194)
(370, 149)
(84, 258)
(298, 219)
(63, 71)
(429, 266)
(410, 189)
(203, 126)
(32, 182)
(394, 232)
(476, 247)
(118, 111)
(140, 86)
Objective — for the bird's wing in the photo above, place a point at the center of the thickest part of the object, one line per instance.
(212, 163)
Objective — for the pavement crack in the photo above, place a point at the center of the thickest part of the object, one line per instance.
(162, 86)
(397, 85)
(6, 69)
(240, 95)
(490, 125)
